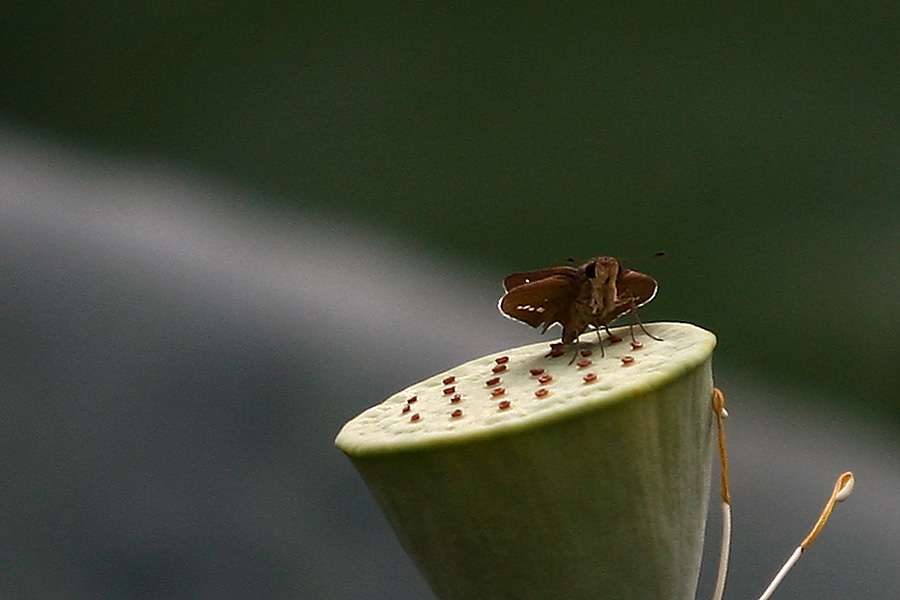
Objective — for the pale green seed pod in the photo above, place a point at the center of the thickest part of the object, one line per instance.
(597, 487)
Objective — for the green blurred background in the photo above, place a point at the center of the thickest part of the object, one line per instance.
(758, 144)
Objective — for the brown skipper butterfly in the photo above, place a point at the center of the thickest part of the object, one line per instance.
(592, 295)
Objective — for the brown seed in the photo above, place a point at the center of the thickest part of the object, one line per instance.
(498, 392)
(627, 360)
(556, 352)
(636, 345)
(504, 405)
(456, 413)
(589, 377)
(499, 368)
(502, 360)
(414, 418)
(584, 362)
(586, 352)
(536, 372)
(413, 399)
(546, 377)
(406, 408)
(614, 339)
(492, 381)
(449, 390)
(449, 380)
(541, 392)
(456, 398)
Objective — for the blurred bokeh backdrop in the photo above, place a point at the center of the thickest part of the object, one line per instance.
(758, 145)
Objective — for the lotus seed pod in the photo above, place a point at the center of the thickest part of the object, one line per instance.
(530, 474)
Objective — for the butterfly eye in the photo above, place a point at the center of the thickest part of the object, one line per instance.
(591, 270)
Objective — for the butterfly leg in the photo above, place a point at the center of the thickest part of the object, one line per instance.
(576, 344)
(600, 342)
(640, 323)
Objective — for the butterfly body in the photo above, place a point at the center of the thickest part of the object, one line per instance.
(592, 295)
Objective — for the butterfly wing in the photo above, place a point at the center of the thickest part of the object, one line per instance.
(638, 286)
(515, 280)
(633, 290)
(541, 297)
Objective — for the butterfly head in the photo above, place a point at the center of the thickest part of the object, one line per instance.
(602, 270)
(602, 273)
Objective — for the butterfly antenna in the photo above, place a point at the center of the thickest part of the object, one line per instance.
(657, 254)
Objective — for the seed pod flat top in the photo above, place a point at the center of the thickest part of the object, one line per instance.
(523, 387)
